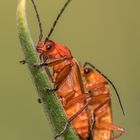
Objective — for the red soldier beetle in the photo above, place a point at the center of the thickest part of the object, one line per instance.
(100, 107)
(66, 77)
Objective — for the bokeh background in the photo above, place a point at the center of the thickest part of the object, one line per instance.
(103, 32)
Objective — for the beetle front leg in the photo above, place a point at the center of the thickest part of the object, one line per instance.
(51, 62)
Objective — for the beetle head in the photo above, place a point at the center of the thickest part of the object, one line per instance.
(52, 49)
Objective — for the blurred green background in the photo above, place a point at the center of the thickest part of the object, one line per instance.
(103, 32)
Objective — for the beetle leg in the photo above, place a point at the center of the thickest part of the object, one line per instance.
(71, 119)
(50, 62)
(55, 61)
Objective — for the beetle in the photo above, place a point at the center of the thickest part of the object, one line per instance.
(100, 107)
(66, 77)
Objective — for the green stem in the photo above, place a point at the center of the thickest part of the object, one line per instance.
(50, 102)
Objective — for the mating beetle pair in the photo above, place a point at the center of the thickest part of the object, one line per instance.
(87, 104)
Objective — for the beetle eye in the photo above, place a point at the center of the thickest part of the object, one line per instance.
(49, 47)
(86, 70)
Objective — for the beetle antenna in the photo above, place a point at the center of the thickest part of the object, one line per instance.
(39, 21)
(57, 18)
(119, 99)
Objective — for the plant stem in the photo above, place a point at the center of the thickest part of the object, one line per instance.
(52, 106)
